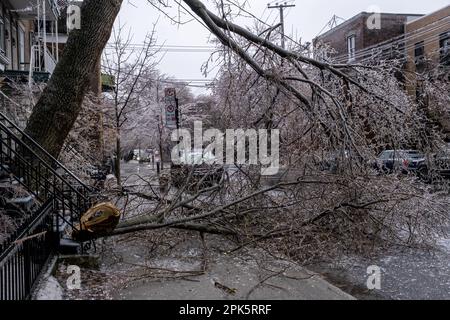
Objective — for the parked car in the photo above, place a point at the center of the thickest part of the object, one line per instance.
(200, 166)
(405, 161)
(333, 161)
(141, 155)
(440, 167)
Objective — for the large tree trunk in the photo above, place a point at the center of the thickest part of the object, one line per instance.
(57, 109)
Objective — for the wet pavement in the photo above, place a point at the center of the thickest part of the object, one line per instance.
(406, 274)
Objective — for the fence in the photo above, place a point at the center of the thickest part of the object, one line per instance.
(24, 254)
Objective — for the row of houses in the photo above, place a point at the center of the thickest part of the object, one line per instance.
(33, 34)
(415, 40)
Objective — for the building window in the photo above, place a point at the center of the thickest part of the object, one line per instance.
(419, 52)
(444, 48)
(351, 46)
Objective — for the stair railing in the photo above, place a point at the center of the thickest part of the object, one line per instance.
(41, 174)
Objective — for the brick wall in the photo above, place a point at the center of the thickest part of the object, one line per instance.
(427, 29)
(392, 26)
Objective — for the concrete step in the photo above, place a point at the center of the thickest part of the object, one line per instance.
(61, 227)
(27, 203)
(68, 246)
(5, 181)
(16, 196)
(4, 174)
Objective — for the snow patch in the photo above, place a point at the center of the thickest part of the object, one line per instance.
(50, 290)
(445, 243)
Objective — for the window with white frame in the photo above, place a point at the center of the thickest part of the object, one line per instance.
(351, 47)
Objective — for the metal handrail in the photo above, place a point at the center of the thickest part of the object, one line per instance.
(23, 255)
(41, 149)
(8, 245)
(45, 164)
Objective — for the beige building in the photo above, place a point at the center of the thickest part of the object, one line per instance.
(33, 35)
(427, 46)
(24, 28)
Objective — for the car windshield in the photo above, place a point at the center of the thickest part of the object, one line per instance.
(414, 154)
(385, 155)
(196, 157)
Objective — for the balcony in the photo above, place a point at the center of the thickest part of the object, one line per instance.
(28, 12)
(22, 76)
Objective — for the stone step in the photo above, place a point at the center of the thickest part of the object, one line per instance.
(5, 181)
(27, 203)
(4, 172)
(68, 246)
(61, 227)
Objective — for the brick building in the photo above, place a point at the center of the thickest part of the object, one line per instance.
(428, 52)
(420, 42)
(351, 40)
(427, 45)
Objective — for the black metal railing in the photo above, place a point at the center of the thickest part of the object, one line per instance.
(25, 253)
(41, 174)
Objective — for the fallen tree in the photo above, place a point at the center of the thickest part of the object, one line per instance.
(320, 108)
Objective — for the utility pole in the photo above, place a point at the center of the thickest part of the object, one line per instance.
(281, 7)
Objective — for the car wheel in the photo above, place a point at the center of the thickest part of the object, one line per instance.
(423, 175)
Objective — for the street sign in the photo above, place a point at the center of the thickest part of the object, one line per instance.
(171, 108)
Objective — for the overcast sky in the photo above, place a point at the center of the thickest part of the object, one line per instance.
(304, 21)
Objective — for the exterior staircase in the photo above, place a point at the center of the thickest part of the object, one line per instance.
(50, 205)
(23, 162)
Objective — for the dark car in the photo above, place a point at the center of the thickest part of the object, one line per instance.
(337, 160)
(440, 166)
(405, 161)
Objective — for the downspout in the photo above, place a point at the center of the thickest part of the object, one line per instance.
(45, 28)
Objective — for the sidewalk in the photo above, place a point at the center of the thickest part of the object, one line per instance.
(248, 274)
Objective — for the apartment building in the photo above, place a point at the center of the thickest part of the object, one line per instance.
(23, 33)
(358, 38)
(427, 47)
(33, 35)
(421, 43)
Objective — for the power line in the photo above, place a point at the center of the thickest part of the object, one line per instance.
(171, 45)
(406, 48)
(265, 22)
(169, 50)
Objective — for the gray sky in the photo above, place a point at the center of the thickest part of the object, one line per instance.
(304, 21)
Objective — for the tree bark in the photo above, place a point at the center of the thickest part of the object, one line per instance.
(59, 105)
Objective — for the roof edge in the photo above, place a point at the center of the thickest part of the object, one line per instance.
(363, 13)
